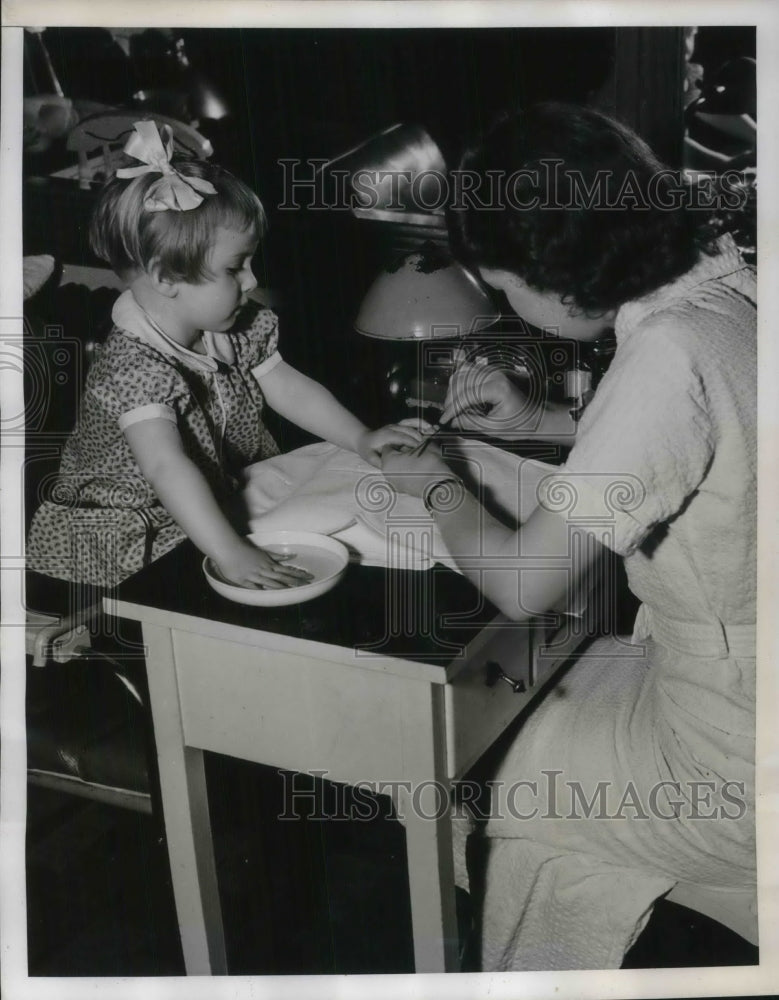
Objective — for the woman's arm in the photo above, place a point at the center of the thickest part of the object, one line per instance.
(314, 408)
(482, 398)
(186, 495)
(523, 573)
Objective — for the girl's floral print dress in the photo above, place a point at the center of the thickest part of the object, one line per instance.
(100, 520)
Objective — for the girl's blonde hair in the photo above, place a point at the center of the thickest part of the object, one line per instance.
(130, 238)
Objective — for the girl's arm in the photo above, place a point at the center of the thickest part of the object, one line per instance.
(311, 406)
(523, 573)
(186, 495)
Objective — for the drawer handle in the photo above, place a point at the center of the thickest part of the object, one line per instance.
(496, 673)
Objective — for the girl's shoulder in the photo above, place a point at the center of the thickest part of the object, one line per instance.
(256, 335)
(256, 319)
(120, 346)
(123, 358)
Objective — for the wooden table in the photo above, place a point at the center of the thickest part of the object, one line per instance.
(391, 677)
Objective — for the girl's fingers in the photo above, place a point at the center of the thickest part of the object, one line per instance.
(265, 583)
(290, 573)
(410, 439)
(408, 431)
(280, 560)
(273, 581)
(399, 462)
(401, 434)
(275, 574)
(416, 422)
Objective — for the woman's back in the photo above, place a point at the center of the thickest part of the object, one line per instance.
(676, 414)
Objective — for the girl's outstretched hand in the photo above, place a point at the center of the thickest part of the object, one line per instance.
(482, 398)
(410, 473)
(248, 566)
(407, 434)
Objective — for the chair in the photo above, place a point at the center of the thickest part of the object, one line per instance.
(108, 131)
(86, 709)
(87, 728)
(88, 731)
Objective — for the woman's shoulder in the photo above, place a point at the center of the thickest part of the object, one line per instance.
(701, 348)
(719, 291)
(698, 330)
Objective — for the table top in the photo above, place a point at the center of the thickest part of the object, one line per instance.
(423, 615)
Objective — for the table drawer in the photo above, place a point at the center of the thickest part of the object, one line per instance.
(289, 710)
(505, 668)
(480, 701)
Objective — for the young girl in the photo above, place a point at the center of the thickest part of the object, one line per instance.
(637, 770)
(172, 409)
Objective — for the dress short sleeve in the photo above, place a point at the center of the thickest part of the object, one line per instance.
(644, 443)
(257, 342)
(131, 382)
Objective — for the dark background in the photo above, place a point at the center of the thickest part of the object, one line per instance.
(295, 93)
(313, 94)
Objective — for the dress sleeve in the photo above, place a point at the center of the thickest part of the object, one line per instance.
(644, 443)
(132, 385)
(257, 344)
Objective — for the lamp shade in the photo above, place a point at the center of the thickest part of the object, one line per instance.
(424, 296)
(400, 169)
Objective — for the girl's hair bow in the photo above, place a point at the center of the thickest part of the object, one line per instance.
(173, 191)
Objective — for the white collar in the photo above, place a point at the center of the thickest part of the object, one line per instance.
(130, 317)
(726, 261)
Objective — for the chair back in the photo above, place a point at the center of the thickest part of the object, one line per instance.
(108, 132)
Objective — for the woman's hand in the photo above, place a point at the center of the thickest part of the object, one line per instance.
(407, 434)
(409, 473)
(248, 566)
(483, 398)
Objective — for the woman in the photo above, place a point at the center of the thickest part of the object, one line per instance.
(637, 771)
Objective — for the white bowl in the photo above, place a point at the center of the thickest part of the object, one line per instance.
(324, 557)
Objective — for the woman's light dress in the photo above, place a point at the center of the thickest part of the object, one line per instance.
(663, 470)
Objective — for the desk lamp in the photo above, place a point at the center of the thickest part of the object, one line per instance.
(430, 302)
(426, 295)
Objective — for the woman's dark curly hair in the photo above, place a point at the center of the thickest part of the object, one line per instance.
(576, 203)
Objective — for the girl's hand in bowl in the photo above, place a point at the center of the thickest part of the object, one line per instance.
(407, 434)
(411, 473)
(248, 566)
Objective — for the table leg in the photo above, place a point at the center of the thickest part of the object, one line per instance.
(431, 884)
(187, 821)
(423, 805)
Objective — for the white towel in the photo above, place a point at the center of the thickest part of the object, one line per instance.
(326, 489)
